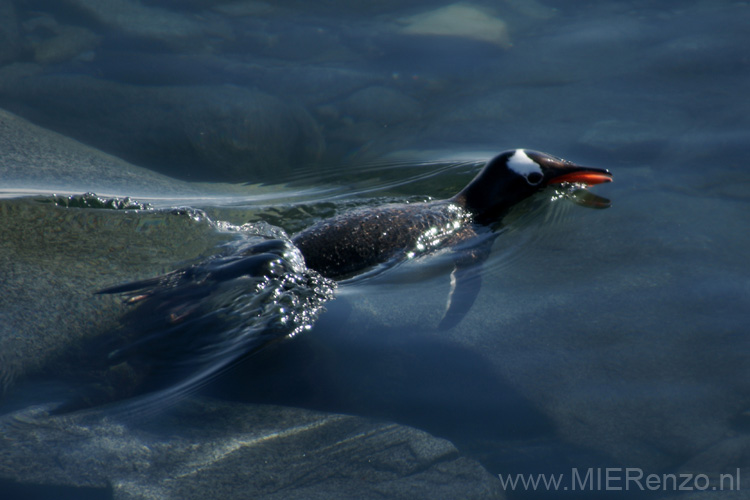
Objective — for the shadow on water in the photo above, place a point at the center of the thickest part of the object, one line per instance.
(427, 383)
(422, 381)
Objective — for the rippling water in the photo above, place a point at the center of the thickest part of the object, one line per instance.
(600, 338)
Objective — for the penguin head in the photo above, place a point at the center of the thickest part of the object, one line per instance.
(514, 175)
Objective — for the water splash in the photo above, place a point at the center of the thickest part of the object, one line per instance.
(189, 325)
(92, 200)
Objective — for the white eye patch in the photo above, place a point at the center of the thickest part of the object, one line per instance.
(521, 164)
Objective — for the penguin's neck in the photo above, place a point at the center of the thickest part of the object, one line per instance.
(483, 198)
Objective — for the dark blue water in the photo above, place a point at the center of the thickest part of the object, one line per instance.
(600, 339)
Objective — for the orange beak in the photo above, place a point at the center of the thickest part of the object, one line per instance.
(588, 176)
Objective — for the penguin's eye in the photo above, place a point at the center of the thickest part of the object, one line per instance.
(534, 178)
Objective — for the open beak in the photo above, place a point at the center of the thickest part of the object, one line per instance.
(575, 174)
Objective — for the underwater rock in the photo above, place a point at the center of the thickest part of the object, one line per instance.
(356, 134)
(44, 277)
(204, 448)
(554, 337)
(459, 20)
(531, 8)
(489, 107)
(220, 132)
(10, 39)
(36, 159)
(244, 135)
(614, 136)
(242, 8)
(730, 457)
(41, 269)
(285, 40)
(136, 19)
(382, 105)
(701, 45)
(561, 53)
(311, 85)
(297, 7)
(705, 495)
(66, 43)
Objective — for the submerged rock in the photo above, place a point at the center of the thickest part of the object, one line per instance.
(593, 344)
(211, 449)
(140, 20)
(531, 8)
(242, 8)
(617, 136)
(65, 43)
(245, 135)
(53, 259)
(10, 39)
(460, 20)
(34, 159)
(220, 132)
(311, 85)
(382, 105)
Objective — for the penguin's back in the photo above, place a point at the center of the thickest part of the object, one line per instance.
(352, 242)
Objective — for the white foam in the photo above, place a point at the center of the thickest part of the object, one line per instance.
(521, 164)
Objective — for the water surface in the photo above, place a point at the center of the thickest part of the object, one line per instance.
(600, 338)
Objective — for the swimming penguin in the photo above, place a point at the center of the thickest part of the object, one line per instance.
(195, 321)
(353, 242)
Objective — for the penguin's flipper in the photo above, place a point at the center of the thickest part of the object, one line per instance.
(466, 280)
(465, 285)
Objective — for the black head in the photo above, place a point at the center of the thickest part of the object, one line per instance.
(514, 175)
